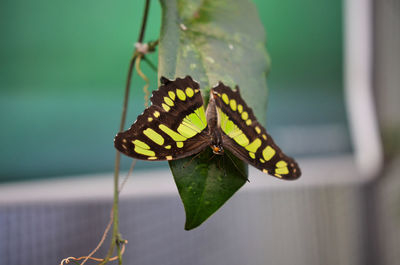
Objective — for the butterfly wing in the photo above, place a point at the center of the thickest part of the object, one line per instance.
(246, 138)
(173, 127)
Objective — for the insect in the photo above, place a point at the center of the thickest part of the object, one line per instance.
(176, 125)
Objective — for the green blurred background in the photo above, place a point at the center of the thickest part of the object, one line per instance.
(64, 64)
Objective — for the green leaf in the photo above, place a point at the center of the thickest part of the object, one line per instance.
(213, 40)
(205, 186)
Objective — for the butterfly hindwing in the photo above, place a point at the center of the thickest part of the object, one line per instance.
(173, 127)
(246, 138)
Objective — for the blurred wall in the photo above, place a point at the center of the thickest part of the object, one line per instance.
(387, 71)
(385, 209)
(317, 225)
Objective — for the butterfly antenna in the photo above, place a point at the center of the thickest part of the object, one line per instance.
(241, 173)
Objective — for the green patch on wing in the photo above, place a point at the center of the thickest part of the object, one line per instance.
(211, 41)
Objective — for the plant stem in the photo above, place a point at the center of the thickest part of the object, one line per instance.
(144, 20)
(150, 63)
(116, 238)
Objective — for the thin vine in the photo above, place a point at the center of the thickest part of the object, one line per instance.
(116, 239)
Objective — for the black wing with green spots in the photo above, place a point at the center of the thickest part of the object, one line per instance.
(246, 138)
(173, 127)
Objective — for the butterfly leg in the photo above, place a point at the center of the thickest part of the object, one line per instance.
(211, 158)
(191, 160)
(224, 165)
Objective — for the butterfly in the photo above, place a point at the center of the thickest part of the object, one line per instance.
(177, 125)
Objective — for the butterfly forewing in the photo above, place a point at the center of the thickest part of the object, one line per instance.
(173, 127)
(246, 138)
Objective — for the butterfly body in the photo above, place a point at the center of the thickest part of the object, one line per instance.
(215, 133)
(177, 126)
